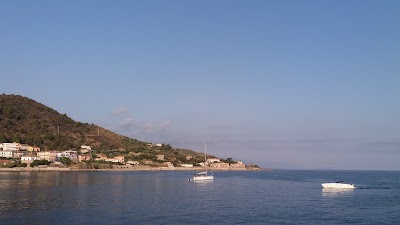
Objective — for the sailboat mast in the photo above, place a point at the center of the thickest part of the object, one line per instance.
(205, 152)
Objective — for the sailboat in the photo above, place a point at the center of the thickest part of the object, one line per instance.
(198, 176)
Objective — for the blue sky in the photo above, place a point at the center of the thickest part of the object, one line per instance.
(283, 84)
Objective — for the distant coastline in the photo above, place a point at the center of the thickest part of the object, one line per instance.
(137, 168)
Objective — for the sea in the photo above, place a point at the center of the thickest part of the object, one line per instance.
(168, 197)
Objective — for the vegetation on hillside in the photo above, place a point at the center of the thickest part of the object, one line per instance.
(26, 121)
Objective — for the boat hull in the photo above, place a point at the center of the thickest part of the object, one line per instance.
(338, 185)
(198, 178)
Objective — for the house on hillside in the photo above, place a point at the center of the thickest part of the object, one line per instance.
(33, 149)
(150, 145)
(213, 160)
(122, 167)
(238, 164)
(50, 156)
(29, 158)
(148, 162)
(116, 159)
(11, 154)
(186, 165)
(72, 155)
(85, 149)
(133, 163)
(220, 165)
(6, 154)
(10, 146)
(24, 147)
(4, 161)
(17, 154)
(169, 164)
(101, 157)
(85, 157)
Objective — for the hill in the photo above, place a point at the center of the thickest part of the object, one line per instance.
(26, 121)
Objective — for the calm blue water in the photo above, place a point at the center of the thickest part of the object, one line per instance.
(278, 197)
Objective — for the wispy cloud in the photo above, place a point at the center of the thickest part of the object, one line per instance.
(151, 127)
(383, 145)
(127, 124)
(120, 111)
(220, 126)
(165, 124)
(122, 121)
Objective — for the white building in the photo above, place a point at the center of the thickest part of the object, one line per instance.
(49, 156)
(186, 165)
(73, 155)
(116, 159)
(29, 158)
(169, 164)
(86, 149)
(112, 160)
(239, 164)
(24, 147)
(33, 149)
(133, 163)
(213, 160)
(220, 165)
(10, 146)
(17, 154)
(6, 154)
(85, 157)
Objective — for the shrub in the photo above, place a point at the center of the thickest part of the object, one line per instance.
(39, 162)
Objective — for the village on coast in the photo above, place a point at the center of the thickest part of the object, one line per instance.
(21, 157)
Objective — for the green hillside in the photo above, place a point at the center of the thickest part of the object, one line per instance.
(26, 121)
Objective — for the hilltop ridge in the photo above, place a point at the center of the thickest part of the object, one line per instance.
(27, 121)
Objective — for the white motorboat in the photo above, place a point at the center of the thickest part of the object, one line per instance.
(338, 184)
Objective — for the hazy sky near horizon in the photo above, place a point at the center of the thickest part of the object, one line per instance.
(283, 84)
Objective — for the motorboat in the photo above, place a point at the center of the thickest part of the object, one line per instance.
(338, 184)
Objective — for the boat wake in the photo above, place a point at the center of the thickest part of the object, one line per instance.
(377, 188)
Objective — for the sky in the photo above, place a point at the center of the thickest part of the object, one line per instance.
(283, 84)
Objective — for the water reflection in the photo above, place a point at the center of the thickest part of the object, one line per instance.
(332, 192)
(202, 183)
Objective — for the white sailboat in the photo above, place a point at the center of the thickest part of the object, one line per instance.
(200, 176)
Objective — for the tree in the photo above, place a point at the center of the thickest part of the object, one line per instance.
(228, 160)
(47, 144)
(66, 161)
(39, 162)
(166, 147)
(16, 138)
(2, 138)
